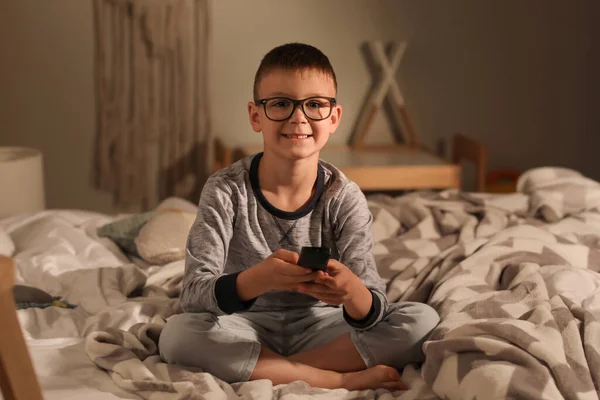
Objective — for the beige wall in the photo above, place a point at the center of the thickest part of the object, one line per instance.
(47, 93)
(516, 75)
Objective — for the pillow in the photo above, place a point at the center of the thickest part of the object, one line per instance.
(7, 247)
(163, 238)
(124, 231)
(158, 237)
(177, 204)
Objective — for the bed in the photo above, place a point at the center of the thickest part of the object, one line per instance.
(515, 279)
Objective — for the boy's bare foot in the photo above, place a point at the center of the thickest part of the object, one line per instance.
(379, 376)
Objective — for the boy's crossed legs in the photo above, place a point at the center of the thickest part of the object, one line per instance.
(335, 360)
(325, 351)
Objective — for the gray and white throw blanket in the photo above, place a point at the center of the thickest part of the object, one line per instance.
(515, 279)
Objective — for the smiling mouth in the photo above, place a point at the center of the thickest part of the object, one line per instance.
(295, 136)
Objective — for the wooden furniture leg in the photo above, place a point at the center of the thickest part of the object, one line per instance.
(18, 380)
(408, 127)
(365, 127)
(465, 148)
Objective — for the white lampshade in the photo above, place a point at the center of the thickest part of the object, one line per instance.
(21, 181)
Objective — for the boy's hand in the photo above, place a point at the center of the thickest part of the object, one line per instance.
(337, 286)
(281, 271)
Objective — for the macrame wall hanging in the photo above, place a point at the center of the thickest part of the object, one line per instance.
(153, 125)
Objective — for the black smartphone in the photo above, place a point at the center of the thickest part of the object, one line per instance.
(314, 258)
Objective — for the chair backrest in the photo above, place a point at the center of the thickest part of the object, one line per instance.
(221, 155)
(465, 148)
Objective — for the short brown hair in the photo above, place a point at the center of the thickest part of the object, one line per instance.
(293, 56)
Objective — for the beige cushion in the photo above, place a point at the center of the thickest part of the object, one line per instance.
(163, 238)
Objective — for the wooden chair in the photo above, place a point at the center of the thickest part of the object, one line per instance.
(222, 156)
(18, 380)
(467, 149)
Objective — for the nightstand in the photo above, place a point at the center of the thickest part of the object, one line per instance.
(391, 167)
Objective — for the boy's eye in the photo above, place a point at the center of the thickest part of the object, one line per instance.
(316, 104)
(280, 103)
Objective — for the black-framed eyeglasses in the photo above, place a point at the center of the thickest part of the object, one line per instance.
(281, 108)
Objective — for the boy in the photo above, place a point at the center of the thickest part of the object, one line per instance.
(250, 311)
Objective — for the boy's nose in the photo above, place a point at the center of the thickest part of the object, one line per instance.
(298, 116)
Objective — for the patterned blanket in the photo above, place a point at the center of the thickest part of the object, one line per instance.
(515, 279)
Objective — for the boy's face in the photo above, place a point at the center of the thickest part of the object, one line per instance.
(297, 137)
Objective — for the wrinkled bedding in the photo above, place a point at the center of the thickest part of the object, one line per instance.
(515, 279)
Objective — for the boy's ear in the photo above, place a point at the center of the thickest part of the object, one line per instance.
(336, 116)
(254, 117)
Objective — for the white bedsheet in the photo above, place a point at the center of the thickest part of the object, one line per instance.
(59, 252)
(65, 372)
